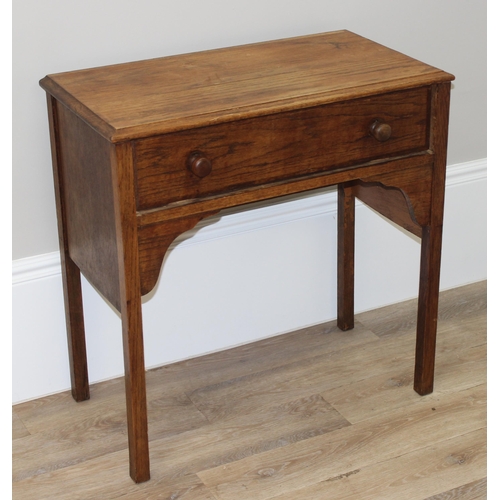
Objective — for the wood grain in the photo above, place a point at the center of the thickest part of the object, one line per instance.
(154, 241)
(320, 458)
(393, 203)
(266, 149)
(295, 380)
(426, 470)
(18, 428)
(88, 200)
(188, 487)
(460, 367)
(61, 439)
(374, 170)
(194, 90)
(262, 356)
(476, 490)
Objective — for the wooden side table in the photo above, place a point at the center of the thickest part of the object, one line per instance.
(143, 151)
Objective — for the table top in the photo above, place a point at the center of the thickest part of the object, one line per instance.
(157, 96)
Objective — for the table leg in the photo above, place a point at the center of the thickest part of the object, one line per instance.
(131, 312)
(427, 309)
(430, 260)
(345, 257)
(135, 389)
(75, 329)
(72, 289)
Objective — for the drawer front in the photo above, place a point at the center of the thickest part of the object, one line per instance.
(256, 151)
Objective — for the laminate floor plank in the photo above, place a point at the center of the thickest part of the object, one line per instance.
(48, 412)
(414, 475)
(462, 302)
(18, 428)
(91, 434)
(476, 490)
(248, 434)
(296, 380)
(259, 356)
(179, 456)
(185, 488)
(303, 464)
(337, 373)
(460, 364)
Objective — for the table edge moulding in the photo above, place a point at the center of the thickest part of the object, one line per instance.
(143, 151)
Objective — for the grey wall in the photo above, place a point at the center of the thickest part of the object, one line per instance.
(57, 35)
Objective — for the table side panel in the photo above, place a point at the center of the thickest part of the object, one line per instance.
(261, 150)
(414, 183)
(85, 172)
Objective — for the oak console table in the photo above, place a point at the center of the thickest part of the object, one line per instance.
(143, 151)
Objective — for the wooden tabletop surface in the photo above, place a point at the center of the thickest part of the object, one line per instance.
(151, 97)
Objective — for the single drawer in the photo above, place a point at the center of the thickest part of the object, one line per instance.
(221, 158)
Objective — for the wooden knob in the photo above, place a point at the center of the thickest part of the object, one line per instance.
(199, 164)
(381, 131)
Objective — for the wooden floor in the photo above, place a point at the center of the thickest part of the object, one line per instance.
(314, 414)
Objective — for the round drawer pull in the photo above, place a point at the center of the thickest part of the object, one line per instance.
(381, 131)
(199, 164)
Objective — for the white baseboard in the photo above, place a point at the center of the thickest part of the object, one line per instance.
(256, 273)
